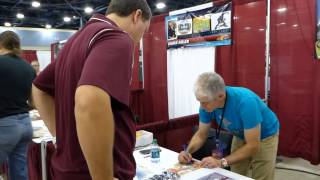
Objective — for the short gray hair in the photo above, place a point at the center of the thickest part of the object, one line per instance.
(208, 85)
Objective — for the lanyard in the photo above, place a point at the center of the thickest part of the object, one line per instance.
(222, 116)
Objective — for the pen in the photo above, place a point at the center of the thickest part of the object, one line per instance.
(185, 148)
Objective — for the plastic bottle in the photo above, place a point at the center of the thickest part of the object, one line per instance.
(155, 152)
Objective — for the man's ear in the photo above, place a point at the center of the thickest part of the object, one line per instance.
(137, 15)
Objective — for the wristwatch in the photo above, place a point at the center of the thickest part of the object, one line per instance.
(224, 163)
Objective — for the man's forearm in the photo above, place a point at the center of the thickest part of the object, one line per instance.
(196, 143)
(251, 146)
(242, 153)
(95, 128)
(46, 107)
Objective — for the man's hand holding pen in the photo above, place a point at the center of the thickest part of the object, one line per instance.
(184, 156)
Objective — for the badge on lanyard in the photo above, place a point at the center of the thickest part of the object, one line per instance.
(220, 146)
(218, 151)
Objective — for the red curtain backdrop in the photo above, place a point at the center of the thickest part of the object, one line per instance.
(243, 63)
(29, 55)
(135, 82)
(34, 160)
(152, 101)
(295, 78)
(295, 82)
(155, 72)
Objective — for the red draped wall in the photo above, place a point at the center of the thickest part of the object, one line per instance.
(295, 78)
(29, 55)
(295, 82)
(242, 64)
(153, 98)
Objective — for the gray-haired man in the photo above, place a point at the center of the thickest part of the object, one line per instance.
(240, 111)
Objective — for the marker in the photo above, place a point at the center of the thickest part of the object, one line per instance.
(185, 147)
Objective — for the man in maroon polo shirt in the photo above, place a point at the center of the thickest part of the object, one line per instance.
(83, 96)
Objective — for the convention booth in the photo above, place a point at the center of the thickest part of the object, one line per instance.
(292, 88)
(243, 41)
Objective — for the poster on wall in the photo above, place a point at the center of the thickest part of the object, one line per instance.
(317, 44)
(203, 25)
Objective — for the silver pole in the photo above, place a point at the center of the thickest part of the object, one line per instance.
(267, 55)
(81, 23)
(141, 60)
(44, 159)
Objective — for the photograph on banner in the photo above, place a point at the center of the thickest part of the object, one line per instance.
(221, 21)
(184, 25)
(203, 25)
(317, 43)
(171, 29)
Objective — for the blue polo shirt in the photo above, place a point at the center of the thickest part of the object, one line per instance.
(243, 110)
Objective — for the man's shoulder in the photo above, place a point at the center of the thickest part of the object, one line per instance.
(236, 88)
(102, 26)
(99, 32)
(242, 91)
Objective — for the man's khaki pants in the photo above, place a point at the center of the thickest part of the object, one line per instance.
(262, 163)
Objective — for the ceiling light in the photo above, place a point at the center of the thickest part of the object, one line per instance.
(247, 28)
(7, 24)
(161, 5)
(261, 29)
(48, 26)
(282, 9)
(88, 10)
(20, 16)
(35, 4)
(67, 19)
(295, 25)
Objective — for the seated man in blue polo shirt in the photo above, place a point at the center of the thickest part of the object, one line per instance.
(240, 111)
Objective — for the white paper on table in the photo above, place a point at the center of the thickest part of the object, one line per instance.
(42, 131)
(168, 159)
(194, 175)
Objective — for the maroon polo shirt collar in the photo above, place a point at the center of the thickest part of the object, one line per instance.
(103, 18)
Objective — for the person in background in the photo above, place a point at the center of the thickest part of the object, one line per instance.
(83, 96)
(16, 77)
(36, 66)
(240, 111)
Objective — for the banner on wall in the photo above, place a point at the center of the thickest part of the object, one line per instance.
(203, 25)
(317, 44)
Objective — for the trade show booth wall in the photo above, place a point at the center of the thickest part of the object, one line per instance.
(294, 79)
